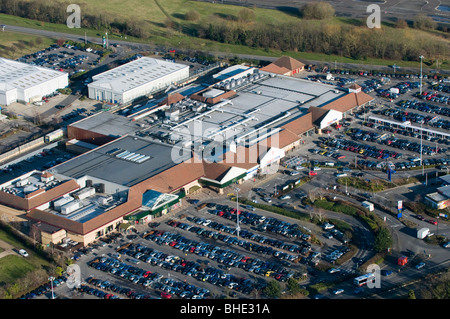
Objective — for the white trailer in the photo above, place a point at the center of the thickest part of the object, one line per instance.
(53, 136)
(423, 232)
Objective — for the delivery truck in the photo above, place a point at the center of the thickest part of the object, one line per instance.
(403, 260)
(423, 232)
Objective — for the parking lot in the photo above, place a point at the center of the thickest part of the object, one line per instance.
(372, 145)
(198, 254)
(67, 58)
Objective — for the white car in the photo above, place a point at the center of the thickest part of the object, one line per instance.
(23, 253)
(338, 291)
(293, 173)
(285, 197)
(333, 270)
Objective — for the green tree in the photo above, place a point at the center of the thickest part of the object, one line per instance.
(424, 22)
(318, 10)
(293, 286)
(192, 15)
(411, 294)
(383, 240)
(273, 289)
(246, 15)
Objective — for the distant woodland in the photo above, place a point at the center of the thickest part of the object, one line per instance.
(315, 31)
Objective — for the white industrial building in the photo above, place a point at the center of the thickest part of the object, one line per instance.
(25, 83)
(135, 79)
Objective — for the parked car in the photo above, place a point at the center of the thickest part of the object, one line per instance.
(23, 253)
(420, 265)
(386, 272)
(338, 291)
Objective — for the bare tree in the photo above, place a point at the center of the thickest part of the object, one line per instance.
(312, 195)
(320, 214)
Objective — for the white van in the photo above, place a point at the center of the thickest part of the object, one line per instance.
(23, 253)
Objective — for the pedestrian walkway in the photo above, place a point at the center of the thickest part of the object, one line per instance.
(7, 249)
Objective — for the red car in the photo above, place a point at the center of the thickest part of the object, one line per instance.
(312, 173)
(432, 222)
(166, 295)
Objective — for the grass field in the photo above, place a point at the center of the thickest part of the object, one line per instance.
(154, 14)
(10, 40)
(14, 267)
(150, 11)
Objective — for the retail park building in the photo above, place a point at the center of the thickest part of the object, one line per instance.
(134, 167)
(25, 83)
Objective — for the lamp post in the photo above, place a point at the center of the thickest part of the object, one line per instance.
(421, 58)
(51, 278)
(238, 228)
(421, 139)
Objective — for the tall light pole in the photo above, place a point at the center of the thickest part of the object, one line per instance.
(51, 278)
(238, 228)
(421, 139)
(421, 58)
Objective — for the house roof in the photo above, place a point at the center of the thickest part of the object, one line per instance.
(215, 171)
(289, 63)
(317, 113)
(354, 86)
(172, 99)
(283, 65)
(348, 102)
(244, 157)
(279, 140)
(273, 68)
(49, 229)
(175, 177)
(300, 125)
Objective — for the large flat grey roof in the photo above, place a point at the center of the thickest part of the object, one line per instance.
(271, 101)
(135, 73)
(104, 163)
(108, 124)
(14, 74)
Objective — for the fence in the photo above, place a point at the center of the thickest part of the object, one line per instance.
(21, 149)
